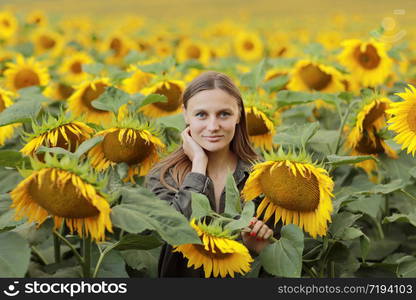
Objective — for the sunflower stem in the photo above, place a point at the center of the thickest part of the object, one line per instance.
(312, 273)
(38, 254)
(408, 194)
(87, 256)
(102, 256)
(378, 227)
(57, 248)
(77, 255)
(341, 126)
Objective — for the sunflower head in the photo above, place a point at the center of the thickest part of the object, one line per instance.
(220, 254)
(248, 46)
(71, 68)
(189, 49)
(296, 191)
(128, 141)
(8, 25)
(6, 132)
(24, 73)
(403, 120)
(172, 89)
(367, 61)
(79, 103)
(64, 132)
(66, 191)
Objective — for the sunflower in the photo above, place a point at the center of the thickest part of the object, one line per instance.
(48, 41)
(66, 191)
(172, 89)
(62, 132)
(260, 128)
(363, 138)
(130, 142)
(311, 76)
(137, 80)
(279, 45)
(119, 45)
(80, 101)
(220, 254)
(248, 46)
(37, 18)
(367, 62)
(71, 67)
(58, 91)
(25, 73)
(6, 132)
(403, 120)
(188, 49)
(8, 25)
(296, 191)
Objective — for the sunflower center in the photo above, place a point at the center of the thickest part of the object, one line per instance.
(47, 42)
(314, 77)
(2, 105)
(65, 90)
(6, 23)
(368, 145)
(64, 201)
(116, 46)
(248, 45)
(25, 78)
(128, 151)
(292, 192)
(90, 95)
(193, 52)
(76, 67)
(255, 124)
(374, 114)
(411, 118)
(217, 255)
(369, 59)
(173, 93)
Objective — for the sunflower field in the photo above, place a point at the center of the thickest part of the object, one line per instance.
(89, 104)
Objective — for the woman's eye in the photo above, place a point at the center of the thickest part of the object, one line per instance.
(200, 114)
(224, 114)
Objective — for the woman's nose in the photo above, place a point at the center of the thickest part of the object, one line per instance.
(213, 124)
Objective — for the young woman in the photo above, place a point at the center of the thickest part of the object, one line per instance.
(215, 141)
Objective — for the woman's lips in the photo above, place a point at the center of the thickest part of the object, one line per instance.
(213, 138)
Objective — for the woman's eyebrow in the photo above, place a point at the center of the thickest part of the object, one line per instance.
(218, 110)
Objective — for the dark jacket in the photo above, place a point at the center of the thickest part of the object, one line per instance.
(173, 264)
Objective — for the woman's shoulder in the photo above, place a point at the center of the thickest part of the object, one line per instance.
(153, 177)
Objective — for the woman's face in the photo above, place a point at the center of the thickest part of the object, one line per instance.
(212, 116)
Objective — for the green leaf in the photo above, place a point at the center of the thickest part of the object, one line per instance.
(143, 260)
(351, 233)
(7, 213)
(410, 218)
(33, 233)
(11, 264)
(253, 79)
(113, 265)
(310, 130)
(245, 218)
(285, 98)
(284, 257)
(337, 160)
(407, 269)
(365, 246)
(276, 84)
(141, 210)
(12, 158)
(54, 150)
(372, 205)
(232, 197)
(139, 242)
(200, 206)
(94, 69)
(9, 179)
(133, 57)
(111, 100)
(341, 222)
(153, 98)
(87, 145)
(122, 170)
(19, 112)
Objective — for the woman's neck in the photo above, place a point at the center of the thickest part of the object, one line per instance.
(221, 161)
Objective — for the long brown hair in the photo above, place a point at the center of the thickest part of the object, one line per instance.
(240, 144)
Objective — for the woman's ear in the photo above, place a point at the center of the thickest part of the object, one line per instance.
(185, 115)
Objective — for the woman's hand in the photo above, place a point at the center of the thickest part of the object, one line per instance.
(194, 151)
(256, 235)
